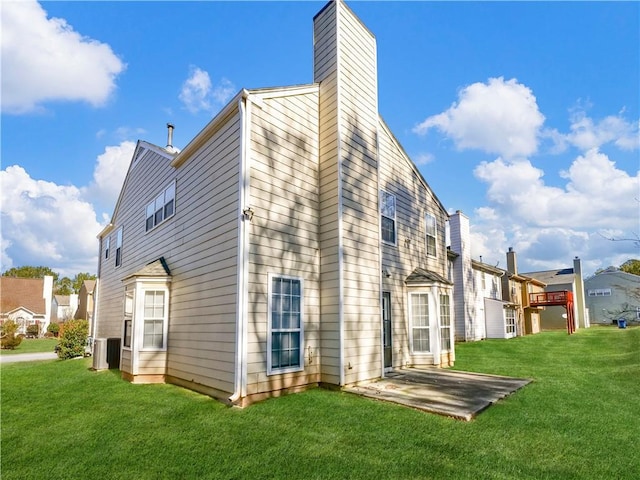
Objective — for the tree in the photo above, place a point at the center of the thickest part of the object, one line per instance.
(8, 333)
(80, 278)
(631, 266)
(64, 286)
(31, 272)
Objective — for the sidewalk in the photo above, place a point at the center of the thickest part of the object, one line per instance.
(27, 357)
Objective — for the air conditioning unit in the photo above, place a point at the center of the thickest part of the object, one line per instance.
(100, 354)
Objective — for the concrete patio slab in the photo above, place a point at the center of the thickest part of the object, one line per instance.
(461, 395)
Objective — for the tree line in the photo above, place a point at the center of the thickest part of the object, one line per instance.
(61, 285)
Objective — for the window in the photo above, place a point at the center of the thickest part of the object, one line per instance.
(445, 323)
(154, 319)
(419, 317)
(128, 317)
(119, 247)
(637, 313)
(510, 321)
(430, 226)
(600, 292)
(107, 243)
(285, 325)
(160, 209)
(388, 217)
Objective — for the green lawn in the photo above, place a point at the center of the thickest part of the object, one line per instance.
(33, 345)
(579, 419)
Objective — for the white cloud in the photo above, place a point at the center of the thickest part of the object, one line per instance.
(44, 59)
(500, 117)
(587, 134)
(423, 159)
(199, 94)
(46, 224)
(108, 175)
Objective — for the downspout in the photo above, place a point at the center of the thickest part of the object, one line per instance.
(240, 375)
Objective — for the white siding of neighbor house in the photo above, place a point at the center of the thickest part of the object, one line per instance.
(283, 233)
(199, 244)
(465, 306)
(414, 199)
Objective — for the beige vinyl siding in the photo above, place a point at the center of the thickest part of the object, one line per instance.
(199, 244)
(284, 230)
(325, 72)
(360, 224)
(413, 199)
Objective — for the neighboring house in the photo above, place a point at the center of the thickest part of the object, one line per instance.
(612, 295)
(479, 310)
(516, 289)
(566, 279)
(291, 243)
(64, 307)
(26, 301)
(85, 302)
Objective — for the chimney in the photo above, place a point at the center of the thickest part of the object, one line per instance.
(512, 264)
(170, 128)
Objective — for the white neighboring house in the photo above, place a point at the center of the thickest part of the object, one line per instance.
(26, 301)
(613, 295)
(64, 307)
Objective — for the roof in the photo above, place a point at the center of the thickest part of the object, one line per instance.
(421, 276)
(553, 277)
(63, 300)
(485, 267)
(22, 292)
(89, 285)
(157, 268)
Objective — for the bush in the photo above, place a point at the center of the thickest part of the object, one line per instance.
(73, 338)
(33, 330)
(53, 329)
(10, 340)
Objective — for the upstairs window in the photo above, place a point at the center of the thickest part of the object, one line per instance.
(119, 247)
(600, 292)
(107, 243)
(388, 217)
(430, 227)
(161, 208)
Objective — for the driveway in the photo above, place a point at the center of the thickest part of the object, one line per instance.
(461, 395)
(27, 357)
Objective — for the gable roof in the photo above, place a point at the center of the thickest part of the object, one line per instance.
(421, 276)
(157, 268)
(27, 293)
(553, 277)
(89, 285)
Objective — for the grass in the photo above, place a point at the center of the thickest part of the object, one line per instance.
(577, 420)
(32, 345)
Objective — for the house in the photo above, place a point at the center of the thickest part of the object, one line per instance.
(480, 311)
(64, 307)
(291, 243)
(26, 301)
(612, 295)
(85, 302)
(564, 280)
(517, 289)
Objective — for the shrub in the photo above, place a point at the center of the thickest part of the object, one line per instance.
(9, 338)
(53, 329)
(33, 330)
(73, 338)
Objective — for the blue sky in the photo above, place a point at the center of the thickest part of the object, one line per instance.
(524, 115)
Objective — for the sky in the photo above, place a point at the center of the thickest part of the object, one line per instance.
(522, 115)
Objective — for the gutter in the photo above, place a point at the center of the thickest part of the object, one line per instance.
(240, 374)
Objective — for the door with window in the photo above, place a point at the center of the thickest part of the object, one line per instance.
(387, 344)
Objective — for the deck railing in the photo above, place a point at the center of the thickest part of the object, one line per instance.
(550, 298)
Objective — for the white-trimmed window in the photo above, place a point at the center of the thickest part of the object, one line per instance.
(107, 244)
(128, 317)
(119, 247)
(419, 317)
(445, 323)
(285, 335)
(599, 292)
(155, 317)
(510, 320)
(388, 217)
(161, 208)
(637, 313)
(431, 229)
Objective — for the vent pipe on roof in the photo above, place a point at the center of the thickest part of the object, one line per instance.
(170, 128)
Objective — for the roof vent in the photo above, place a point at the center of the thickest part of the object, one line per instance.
(170, 148)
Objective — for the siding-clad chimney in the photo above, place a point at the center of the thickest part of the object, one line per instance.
(512, 263)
